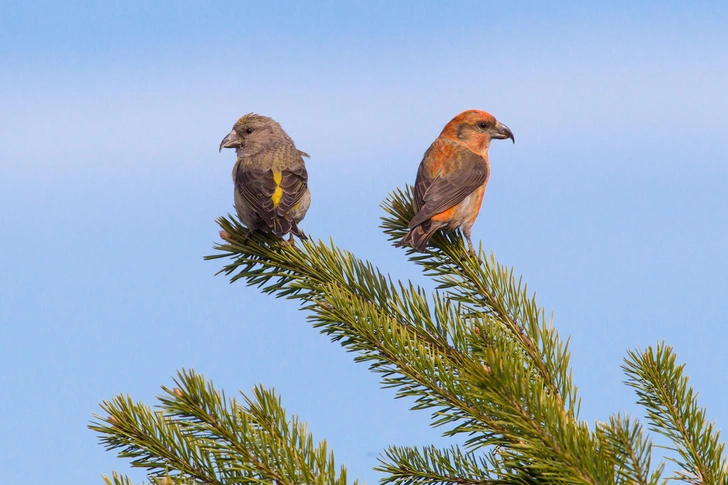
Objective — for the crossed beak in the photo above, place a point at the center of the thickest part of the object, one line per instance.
(501, 132)
(232, 140)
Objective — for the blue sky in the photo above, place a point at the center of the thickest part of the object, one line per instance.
(612, 203)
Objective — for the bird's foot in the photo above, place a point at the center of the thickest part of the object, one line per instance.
(248, 234)
(288, 242)
(471, 251)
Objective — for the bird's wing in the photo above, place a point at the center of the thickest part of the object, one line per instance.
(272, 194)
(294, 183)
(435, 193)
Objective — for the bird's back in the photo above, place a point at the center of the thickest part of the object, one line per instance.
(271, 189)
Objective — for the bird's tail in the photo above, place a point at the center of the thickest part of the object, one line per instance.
(283, 226)
(418, 236)
(297, 232)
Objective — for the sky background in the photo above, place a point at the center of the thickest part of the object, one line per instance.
(612, 203)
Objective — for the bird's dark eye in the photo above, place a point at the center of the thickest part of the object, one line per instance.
(248, 130)
(483, 125)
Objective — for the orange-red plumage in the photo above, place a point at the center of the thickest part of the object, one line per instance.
(452, 177)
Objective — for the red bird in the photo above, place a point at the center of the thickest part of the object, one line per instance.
(452, 177)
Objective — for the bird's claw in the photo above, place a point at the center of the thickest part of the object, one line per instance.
(288, 242)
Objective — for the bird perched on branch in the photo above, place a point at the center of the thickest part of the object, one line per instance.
(452, 177)
(271, 182)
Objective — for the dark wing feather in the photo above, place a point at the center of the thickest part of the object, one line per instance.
(435, 195)
(422, 183)
(258, 186)
(294, 183)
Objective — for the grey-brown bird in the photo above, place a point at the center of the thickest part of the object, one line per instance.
(452, 177)
(271, 182)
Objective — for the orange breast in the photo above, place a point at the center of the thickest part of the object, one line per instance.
(463, 213)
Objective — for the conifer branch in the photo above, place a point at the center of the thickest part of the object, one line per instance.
(631, 452)
(478, 353)
(120, 479)
(356, 305)
(117, 479)
(198, 435)
(484, 285)
(455, 354)
(431, 466)
(672, 409)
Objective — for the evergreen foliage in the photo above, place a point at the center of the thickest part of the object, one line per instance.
(478, 354)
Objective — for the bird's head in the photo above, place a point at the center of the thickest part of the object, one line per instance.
(252, 133)
(475, 129)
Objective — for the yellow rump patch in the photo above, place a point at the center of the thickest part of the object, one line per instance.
(276, 197)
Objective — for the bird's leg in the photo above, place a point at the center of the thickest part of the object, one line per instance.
(470, 245)
(295, 231)
(251, 230)
(289, 241)
(471, 248)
